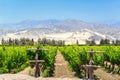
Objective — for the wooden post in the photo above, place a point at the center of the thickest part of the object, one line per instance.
(37, 69)
(90, 68)
(38, 63)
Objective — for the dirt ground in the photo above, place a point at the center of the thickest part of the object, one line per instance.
(26, 77)
(61, 67)
(103, 75)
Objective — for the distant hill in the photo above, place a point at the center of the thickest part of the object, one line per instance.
(112, 23)
(38, 28)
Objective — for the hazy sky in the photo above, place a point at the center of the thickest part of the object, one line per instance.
(87, 10)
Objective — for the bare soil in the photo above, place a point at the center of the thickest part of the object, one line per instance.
(61, 67)
(26, 77)
(103, 75)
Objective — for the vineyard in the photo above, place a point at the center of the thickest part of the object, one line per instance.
(14, 59)
(78, 56)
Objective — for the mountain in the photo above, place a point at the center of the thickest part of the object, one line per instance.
(112, 23)
(70, 37)
(46, 28)
(27, 24)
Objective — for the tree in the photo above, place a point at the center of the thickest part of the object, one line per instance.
(32, 42)
(87, 42)
(22, 41)
(39, 41)
(16, 42)
(10, 42)
(92, 43)
(77, 42)
(117, 42)
(104, 42)
(3, 41)
(107, 41)
(101, 41)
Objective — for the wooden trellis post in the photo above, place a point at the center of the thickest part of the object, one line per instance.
(37, 63)
(89, 69)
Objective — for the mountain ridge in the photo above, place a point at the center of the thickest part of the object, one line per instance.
(37, 27)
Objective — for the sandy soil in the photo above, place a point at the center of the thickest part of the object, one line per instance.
(103, 75)
(61, 67)
(26, 77)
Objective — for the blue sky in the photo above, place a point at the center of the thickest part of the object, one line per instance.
(12, 11)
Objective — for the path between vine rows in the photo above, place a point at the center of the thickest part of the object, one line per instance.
(61, 67)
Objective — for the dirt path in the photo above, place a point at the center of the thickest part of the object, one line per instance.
(26, 77)
(61, 67)
(25, 71)
(103, 75)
